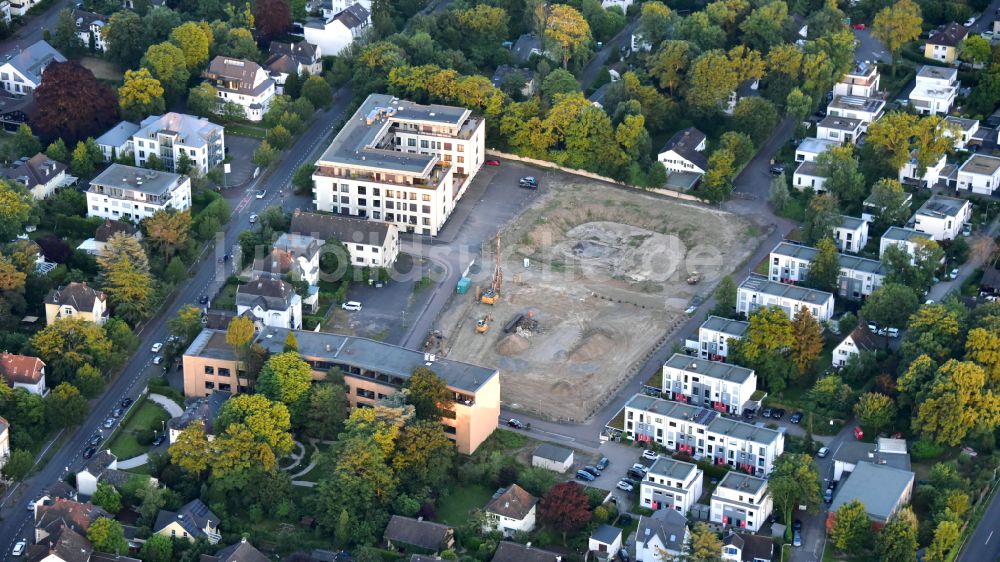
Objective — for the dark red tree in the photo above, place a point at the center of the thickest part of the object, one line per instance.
(273, 17)
(72, 104)
(565, 508)
(54, 249)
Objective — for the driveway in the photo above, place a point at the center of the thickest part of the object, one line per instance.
(240, 151)
(870, 48)
(939, 291)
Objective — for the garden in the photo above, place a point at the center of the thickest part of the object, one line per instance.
(143, 422)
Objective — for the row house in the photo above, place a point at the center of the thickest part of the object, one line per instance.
(980, 174)
(935, 90)
(133, 194)
(859, 277)
(720, 386)
(172, 136)
(740, 501)
(704, 433)
(242, 82)
(671, 484)
(714, 335)
(941, 217)
(400, 162)
(758, 291)
(851, 235)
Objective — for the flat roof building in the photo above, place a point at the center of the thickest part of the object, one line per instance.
(129, 193)
(758, 291)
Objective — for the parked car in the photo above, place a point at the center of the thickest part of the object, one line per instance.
(261, 194)
(859, 26)
(641, 467)
(777, 413)
(203, 299)
(603, 463)
(650, 455)
(823, 452)
(18, 548)
(109, 422)
(954, 273)
(95, 440)
(592, 470)
(892, 332)
(585, 476)
(31, 505)
(89, 452)
(967, 229)
(777, 170)
(253, 218)
(353, 306)
(797, 525)
(970, 22)
(515, 423)
(492, 162)
(749, 413)
(629, 481)
(796, 417)
(623, 554)
(828, 495)
(117, 412)
(156, 347)
(157, 360)
(158, 440)
(765, 413)
(624, 486)
(634, 473)
(797, 539)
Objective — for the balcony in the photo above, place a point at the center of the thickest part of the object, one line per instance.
(432, 181)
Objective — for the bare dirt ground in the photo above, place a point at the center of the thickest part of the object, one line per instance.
(606, 282)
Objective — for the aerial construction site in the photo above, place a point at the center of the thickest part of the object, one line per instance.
(571, 297)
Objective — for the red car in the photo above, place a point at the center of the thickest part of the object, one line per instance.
(492, 162)
(858, 26)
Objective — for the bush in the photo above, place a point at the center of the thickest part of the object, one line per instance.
(924, 449)
(144, 437)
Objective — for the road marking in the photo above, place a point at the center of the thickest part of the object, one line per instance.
(560, 435)
(988, 538)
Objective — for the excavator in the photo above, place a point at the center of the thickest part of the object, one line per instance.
(492, 295)
(483, 324)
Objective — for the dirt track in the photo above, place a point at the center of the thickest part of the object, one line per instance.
(607, 280)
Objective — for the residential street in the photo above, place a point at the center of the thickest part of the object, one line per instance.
(35, 27)
(982, 545)
(590, 71)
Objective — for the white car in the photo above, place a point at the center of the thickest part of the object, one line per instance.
(650, 455)
(823, 452)
(690, 310)
(18, 548)
(156, 347)
(641, 467)
(109, 422)
(625, 486)
(954, 273)
(31, 505)
(351, 305)
(970, 22)
(157, 360)
(988, 35)
(253, 218)
(261, 194)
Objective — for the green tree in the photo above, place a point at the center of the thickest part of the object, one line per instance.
(808, 343)
(279, 137)
(875, 411)
(798, 104)
(291, 343)
(326, 410)
(57, 151)
(203, 99)
(126, 278)
(292, 86)
(897, 542)
(852, 530)
(832, 392)
(669, 64)
(777, 193)
(187, 324)
(107, 535)
(717, 183)
(793, 482)
(567, 28)
(302, 179)
(740, 144)
(755, 116)
(191, 451)
(89, 380)
(958, 403)
(705, 545)
(268, 422)
(67, 345)
(890, 304)
(765, 26)
(897, 25)
(824, 268)
(82, 164)
(18, 465)
(16, 205)
(822, 215)
(946, 536)
(892, 202)
(317, 91)
(157, 548)
(725, 298)
(842, 176)
(25, 142)
(167, 63)
(193, 40)
(914, 270)
(655, 20)
(343, 529)
(285, 378)
(424, 455)
(265, 154)
(429, 394)
(559, 81)
(65, 406)
(140, 95)
(975, 50)
(65, 38)
(891, 137)
(107, 496)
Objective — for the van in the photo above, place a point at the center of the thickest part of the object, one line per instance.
(353, 306)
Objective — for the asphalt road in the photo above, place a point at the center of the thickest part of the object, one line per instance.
(982, 545)
(590, 71)
(208, 273)
(31, 32)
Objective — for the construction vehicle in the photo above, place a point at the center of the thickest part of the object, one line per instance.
(694, 278)
(492, 295)
(483, 324)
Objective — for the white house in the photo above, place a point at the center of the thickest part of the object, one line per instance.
(861, 81)
(95, 246)
(809, 149)
(128, 193)
(738, 547)
(242, 82)
(758, 291)
(710, 384)
(807, 176)
(714, 335)
(19, 8)
(4, 441)
(860, 339)
(840, 129)
(942, 217)
(23, 371)
(685, 152)
(962, 129)
(851, 235)
(332, 35)
(330, 8)
(292, 58)
(665, 532)
(90, 27)
(746, 89)
(370, 243)
(740, 501)
(935, 90)
(623, 4)
(870, 210)
(401, 162)
(910, 172)
(671, 484)
(5, 11)
(606, 541)
(703, 433)
(172, 136)
(117, 140)
(904, 237)
(272, 301)
(293, 255)
(41, 175)
(22, 72)
(552, 457)
(102, 467)
(867, 110)
(980, 174)
(859, 277)
(511, 510)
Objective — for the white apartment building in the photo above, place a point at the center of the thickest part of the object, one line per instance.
(840, 129)
(128, 193)
(710, 384)
(807, 176)
(740, 501)
(859, 277)
(271, 301)
(335, 33)
(117, 140)
(90, 25)
(980, 174)
(904, 237)
(370, 243)
(809, 149)
(867, 110)
(22, 72)
(703, 432)
(242, 82)
(851, 235)
(172, 135)
(714, 335)
(935, 90)
(962, 129)
(910, 172)
(861, 81)
(758, 291)
(400, 162)
(671, 484)
(941, 217)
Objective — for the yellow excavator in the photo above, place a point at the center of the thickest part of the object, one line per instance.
(492, 295)
(483, 324)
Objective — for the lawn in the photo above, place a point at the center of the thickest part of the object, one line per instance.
(226, 299)
(244, 130)
(149, 415)
(455, 509)
(102, 69)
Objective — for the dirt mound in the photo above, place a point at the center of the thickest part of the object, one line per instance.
(591, 347)
(512, 345)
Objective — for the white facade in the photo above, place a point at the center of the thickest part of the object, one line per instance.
(740, 501)
(962, 129)
(701, 432)
(851, 235)
(807, 176)
(861, 81)
(758, 291)
(942, 217)
(671, 484)
(684, 152)
(271, 301)
(935, 90)
(710, 384)
(22, 72)
(510, 511)
(400, 162)
(865, 109)
(19, 8)
(172, 135)
(90, 25)
(4, 441)
(905, 238)
(980, 174)
(840, 129)
(127, 193)
(909, 173)
(117, 140)
(809, 149)
(662, 535)
(857, 341)
(334, 34)
(242, 82)
(369, 243)
(714, 335)
(859, 277)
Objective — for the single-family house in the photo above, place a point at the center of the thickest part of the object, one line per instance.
(605, 542)
(665, 532)
(292, 58)
(117, 140)
(95, 246)
(192, 521)
(510, 510)
(173, 137)
(242, 551)
(370, 243)
(272, 301)
(858, 278)
(76, 300)
(711, 384)
(4, 441)
(22, 72)
(623, 4)
(758, 291)
(522, 77)
(741, 502)
(861, 81)
(851, 235)
(746, 89)
(884, 452)
(740, 547)
(980, 174)
(330, 8)
(407, 533)
(942, 217)
(202, 410)
(57, 513)
(23, 371)
(935, 90)
(809, 149)
(942, 43)
(64, 545)
(102, 467)
(516, 552)
(41, 175)
(671, 484)
(714, 335)
(244, 83)
(684, 158)
(526, 45)
(130, 193)
(882, 489)
(870, 210)
(907, 238)
(861, 339)
(294, 257)
(867, 110)
(808, 176)
(964, 130)
(840, 129)
(334, 34)
(909, 172)
(552, 457)
(989, 285)
(90, 29)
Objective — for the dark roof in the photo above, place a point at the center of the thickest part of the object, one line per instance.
(204, 409)
(505, 70)
(111, 227)
(65, 543)
(514, 552)
(684, 143)
(333, 227)
(414, 532)
(514, 502)
(242, 551)
(193, 516)
(606, 534)
(61, 490)
(864, 339)
(524, 45)
(302, 52)
(111, 557)
(552, 452)
(85, 19)
(354, 16)
(270, 294)
(77, 295)
(67, 513)
(38, 170)
(991, 279)
(667, 524)
(949, 35)
(752, 547)
(240, 71)
(100, 461)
